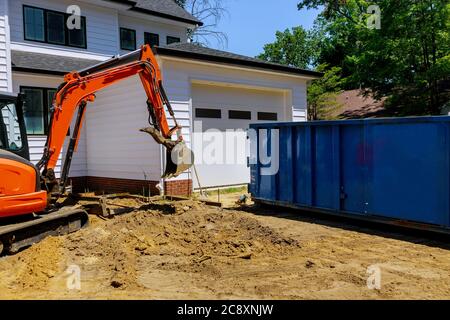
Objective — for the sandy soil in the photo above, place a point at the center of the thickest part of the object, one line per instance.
(187, 250)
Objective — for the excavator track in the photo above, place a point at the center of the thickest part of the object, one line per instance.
(14, 237)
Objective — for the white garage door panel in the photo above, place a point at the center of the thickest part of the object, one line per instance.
(214, 158)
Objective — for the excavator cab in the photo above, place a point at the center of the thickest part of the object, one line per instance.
(12, 126)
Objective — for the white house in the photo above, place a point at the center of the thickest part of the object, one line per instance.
(221, 89)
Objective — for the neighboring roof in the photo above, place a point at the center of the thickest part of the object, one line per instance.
(197, 52)
(46, 63)
(162, 8)
(354, 105)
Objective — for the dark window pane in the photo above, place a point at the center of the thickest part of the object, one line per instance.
(236, 114)
(33, 108)
(50, 95)
(56, 28)
(77, 37)
(34, 24)
(151, 38)
(268, 116)
(172, 40)
(127, 39)
(208, 113)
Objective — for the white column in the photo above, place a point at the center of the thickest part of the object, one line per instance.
(5, 50)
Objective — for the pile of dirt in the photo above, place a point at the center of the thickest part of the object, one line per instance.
(188, 250)
(32, 268)
(187, 235)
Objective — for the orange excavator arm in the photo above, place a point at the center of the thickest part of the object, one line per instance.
(80, 87)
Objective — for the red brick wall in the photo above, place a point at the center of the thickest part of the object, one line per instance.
(113, 185)
(178, 187)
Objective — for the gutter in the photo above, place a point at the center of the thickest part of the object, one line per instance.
(39, 71)
(226, 60)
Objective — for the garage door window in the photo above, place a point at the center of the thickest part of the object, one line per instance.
(208, 113)
(237, 114)
(267, 116)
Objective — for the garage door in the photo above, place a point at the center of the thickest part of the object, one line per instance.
(221, 157)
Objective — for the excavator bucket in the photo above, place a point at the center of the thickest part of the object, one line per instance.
(178, 159)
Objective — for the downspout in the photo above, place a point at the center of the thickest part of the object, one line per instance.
(162, 151)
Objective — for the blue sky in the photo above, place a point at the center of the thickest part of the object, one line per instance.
(252, 23)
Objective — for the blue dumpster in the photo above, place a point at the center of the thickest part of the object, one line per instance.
(394, 170)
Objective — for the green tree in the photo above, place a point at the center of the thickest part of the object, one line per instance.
(322, 93)
(292, 47)
(301, 49)
(406, 60)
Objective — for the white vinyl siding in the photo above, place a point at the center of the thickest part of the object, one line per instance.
(142, 26)
(116, 148)
(5, 53)
(101, 24)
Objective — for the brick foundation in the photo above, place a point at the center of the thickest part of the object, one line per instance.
(114, 185)
(79, 184)
(178, 187)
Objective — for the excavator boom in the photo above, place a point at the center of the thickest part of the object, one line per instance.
(28, 209)
(79, 89)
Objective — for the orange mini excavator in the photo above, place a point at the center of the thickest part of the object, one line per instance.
(28, 193)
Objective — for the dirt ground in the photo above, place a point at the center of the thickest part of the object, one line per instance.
(187, 250)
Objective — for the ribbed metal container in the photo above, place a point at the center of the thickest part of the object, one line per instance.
(394, 170)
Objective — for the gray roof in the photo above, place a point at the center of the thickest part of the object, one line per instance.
(46, 63)
(194, 51)
(162, 8)
(60, 65)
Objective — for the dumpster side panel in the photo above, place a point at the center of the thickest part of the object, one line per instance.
(408, 166)
(397, 169)
(353, 170)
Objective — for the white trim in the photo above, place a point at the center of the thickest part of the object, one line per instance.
(42, 48)
(237, 84)
(150, 17)
(8, 48)
(229, 66)
(108, 4)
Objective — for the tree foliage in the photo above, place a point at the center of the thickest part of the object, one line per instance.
(291, 47)
(407, 60)
(322, 93)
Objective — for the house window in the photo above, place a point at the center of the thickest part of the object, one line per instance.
(55, 28)
(49, 26)
(77, 37)
(151, 38)
(127, 39)
(237, 114)
(208, 113)
(36, 107)
(171, 40)
(267, 116)
(34, 24)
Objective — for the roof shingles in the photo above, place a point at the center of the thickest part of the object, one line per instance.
(46, 63)
(168, 7)
(163, 8)
(54, 64)
(190, 50)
